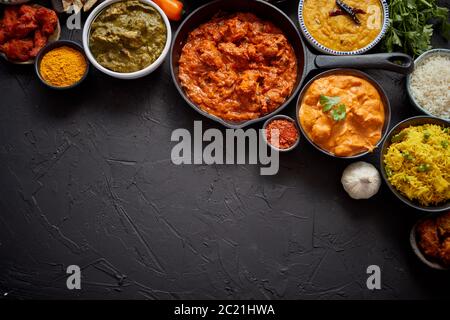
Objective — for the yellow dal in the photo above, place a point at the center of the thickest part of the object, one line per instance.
(341, 33)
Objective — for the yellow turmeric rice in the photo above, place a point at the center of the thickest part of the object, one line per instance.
(417, 163)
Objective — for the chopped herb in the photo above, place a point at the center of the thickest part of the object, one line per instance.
(398, 137)
(407, 156)
(410, 27)
(388, 171)
(444, 144)
(446, 130)
(426, 135)
(424, 167)
(328, 102)
(339, 113)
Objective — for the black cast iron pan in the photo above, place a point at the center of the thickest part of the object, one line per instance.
(359, 74)
(306, 60)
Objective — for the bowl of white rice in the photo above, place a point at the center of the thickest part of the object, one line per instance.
(428, 85)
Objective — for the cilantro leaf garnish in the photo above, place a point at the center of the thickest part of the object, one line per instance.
(328, 102)
(339, 113)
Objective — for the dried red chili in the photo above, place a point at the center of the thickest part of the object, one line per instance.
(287, 131)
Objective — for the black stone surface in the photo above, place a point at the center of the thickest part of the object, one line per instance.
(86, 179)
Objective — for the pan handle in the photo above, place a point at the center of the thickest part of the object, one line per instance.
(397, 62)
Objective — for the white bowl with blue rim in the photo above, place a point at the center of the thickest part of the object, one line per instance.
(323, 49)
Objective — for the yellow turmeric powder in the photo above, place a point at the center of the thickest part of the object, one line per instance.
(62, 66)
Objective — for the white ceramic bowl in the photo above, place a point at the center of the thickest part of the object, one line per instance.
(130, 75)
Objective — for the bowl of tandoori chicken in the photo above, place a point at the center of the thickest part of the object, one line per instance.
(25, 30)
(343, 113)
(237, 62)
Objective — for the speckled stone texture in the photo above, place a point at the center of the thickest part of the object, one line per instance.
(86, 179)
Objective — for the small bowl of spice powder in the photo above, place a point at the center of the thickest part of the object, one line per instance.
(283, 131)
(62, 65)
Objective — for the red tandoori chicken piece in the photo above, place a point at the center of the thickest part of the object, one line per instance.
(47, 19)
(3, 35)
(24, 31)
(10, 17)
(18, 49)
(429, 240)
(39, 42)
(26, 22)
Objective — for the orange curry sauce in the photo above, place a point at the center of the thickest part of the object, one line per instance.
(238, 67)
(362, 127)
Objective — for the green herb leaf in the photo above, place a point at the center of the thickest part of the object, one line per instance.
(444, 144)
(407, 156)
(426, 136)
(410, 29)
(339, 113)
(388, 171)
(328, 102)
(424, 167)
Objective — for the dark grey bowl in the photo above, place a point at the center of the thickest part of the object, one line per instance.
(417, 62)
(414, 121)
(357, 73)
(56, 44)
(282, 117)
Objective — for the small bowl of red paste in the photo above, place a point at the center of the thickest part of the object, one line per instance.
(285, 129)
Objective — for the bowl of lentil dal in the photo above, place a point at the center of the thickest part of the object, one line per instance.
(331, 30)
(61, 65)
(127, 39)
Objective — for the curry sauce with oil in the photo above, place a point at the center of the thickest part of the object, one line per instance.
(238, 67)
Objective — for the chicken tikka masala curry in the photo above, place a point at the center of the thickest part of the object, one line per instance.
(238, 67)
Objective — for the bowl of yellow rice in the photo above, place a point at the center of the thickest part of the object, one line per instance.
(415, 162)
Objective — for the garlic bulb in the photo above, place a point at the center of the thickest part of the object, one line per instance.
(361, 180)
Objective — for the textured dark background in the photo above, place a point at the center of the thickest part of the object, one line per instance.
(86, 178)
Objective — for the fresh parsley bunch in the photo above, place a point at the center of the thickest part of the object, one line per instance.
(411, 25)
